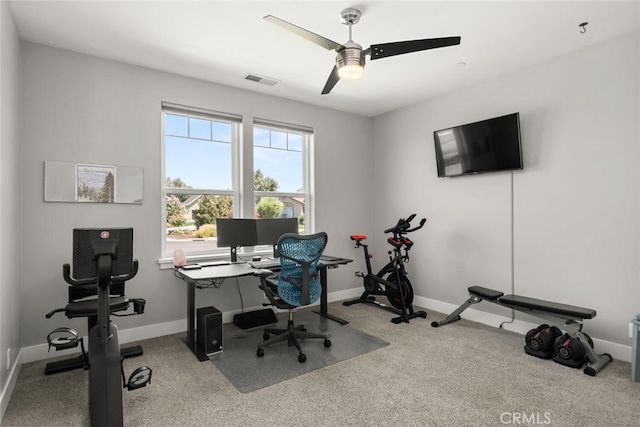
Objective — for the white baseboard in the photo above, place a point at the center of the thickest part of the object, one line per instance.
(5, 395)
(344, 295)
(617, 351)
(41, 351)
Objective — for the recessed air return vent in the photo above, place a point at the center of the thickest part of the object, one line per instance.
(260, 79)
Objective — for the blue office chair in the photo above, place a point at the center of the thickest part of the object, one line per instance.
(297, 285)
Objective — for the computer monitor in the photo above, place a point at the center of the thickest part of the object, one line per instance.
(235, 232)
(270, 230)
(89, 242)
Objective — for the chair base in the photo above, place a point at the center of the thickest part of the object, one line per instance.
(291, 335)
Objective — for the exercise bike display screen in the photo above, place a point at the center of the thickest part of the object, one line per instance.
(85, 240)
(487, 146)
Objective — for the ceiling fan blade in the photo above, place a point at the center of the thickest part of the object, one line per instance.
(312, 37)
(385, 50)
(331, 82)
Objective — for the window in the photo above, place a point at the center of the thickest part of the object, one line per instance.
(281, 172)
(199, 177)
(202, 169)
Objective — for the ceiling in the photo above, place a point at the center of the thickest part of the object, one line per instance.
(223, 41)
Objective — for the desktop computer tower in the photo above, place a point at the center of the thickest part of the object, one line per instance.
(209, 330)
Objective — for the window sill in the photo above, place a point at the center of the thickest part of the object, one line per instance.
(167, 262)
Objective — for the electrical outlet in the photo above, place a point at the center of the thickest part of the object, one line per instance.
(8, 358)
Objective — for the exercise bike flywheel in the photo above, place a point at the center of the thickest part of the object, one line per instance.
(393, 293)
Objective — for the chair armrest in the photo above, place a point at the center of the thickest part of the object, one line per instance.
(262, 272)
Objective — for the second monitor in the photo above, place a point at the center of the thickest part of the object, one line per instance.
(270, 230)
(236, 232)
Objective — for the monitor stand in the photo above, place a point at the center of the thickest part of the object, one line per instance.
(234, 254)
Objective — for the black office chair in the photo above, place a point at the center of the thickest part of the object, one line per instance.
(82, 302)
(297, 284)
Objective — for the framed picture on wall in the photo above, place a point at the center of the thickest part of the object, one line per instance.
(95, 183)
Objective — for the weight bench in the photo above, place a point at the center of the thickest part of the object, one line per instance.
(569, 316)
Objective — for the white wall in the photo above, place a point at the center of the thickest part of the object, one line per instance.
(10, 231)
(80, 108)
(576, 205)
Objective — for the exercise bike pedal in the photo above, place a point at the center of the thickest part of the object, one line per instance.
(139, 378)
(63, 338)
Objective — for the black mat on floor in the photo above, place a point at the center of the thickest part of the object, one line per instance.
(248, 372)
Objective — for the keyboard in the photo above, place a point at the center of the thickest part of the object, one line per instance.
(213, 263)
(265, 263)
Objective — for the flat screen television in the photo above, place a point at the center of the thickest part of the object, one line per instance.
(490, 145)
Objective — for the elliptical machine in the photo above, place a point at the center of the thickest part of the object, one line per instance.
(391, 281)
(102, 257)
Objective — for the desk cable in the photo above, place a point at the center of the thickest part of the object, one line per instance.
(240, 293)
(513, 264)
(204, 283)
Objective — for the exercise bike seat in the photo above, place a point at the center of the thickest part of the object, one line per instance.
(82, 301)
(358, 237)
(90, 307)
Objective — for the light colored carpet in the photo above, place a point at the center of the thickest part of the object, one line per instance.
(462, 374)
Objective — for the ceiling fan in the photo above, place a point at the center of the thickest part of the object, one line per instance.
(350, 55)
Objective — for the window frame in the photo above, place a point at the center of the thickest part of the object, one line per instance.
(307, 143)
(235, 191)
(242, 149)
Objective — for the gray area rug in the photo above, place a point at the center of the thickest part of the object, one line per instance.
(248, 372)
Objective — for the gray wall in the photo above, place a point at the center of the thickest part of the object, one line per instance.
(80, 108)
(575, 204)
(11, 230)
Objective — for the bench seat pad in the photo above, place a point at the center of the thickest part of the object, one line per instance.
(548, 306)
(485, 293)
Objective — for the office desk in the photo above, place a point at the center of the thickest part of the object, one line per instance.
(195, 278)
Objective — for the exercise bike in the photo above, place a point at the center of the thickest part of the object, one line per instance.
(391, 281)
(102, 259)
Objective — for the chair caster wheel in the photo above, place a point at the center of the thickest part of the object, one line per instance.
(265, 336)
(327, 343)
(260, 352)
(302, 358)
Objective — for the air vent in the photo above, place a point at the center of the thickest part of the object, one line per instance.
(259, 79)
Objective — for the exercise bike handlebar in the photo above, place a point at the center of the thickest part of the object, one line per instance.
(66, 273)
(422, 222)
(402, 226)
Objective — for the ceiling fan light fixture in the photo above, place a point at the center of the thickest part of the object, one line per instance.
(351, 72)
(350, 62)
